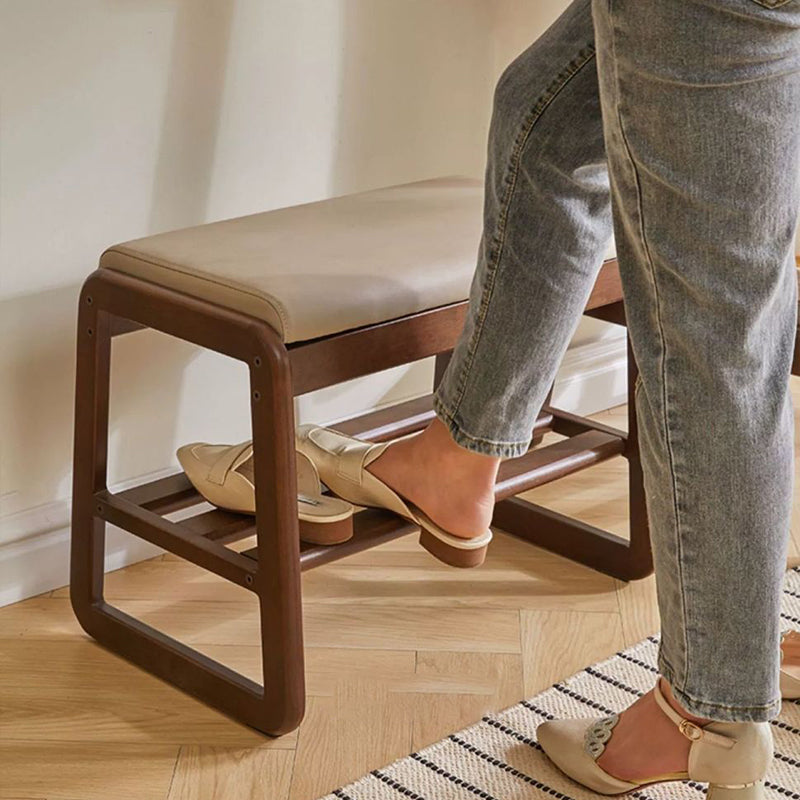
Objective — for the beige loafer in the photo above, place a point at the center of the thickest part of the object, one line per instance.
(789, 676)
(732, 757)
(341, 461)
(224, 476)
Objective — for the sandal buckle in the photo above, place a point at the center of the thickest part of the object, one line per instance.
(690, 730)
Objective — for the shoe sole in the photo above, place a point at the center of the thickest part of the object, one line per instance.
(452, 556)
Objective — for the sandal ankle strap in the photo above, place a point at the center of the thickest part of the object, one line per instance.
(691, 730)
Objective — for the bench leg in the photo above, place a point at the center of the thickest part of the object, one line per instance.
(277, 707)
(604, 551)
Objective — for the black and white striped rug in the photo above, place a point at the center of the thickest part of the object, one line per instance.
(499, 758)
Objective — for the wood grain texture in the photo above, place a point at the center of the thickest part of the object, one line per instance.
(211, 773)
(340, 739)
(68, 771)
(559, 643)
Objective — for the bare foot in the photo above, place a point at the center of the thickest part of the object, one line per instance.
(452, 485)
(645, 743)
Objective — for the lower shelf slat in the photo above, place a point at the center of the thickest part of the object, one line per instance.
(371, 527)
(221, 526)
(164, 495)
(541, 465)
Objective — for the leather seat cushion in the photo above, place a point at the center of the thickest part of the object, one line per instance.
(328, 266)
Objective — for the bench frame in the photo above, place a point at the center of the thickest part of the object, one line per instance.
(113, 304)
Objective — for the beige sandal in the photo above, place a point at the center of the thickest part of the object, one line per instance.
(732, 757)
(224, 476)
(341, 461)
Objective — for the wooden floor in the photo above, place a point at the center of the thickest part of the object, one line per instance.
(401, 651)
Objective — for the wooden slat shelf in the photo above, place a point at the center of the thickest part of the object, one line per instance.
(163, 496)
(371, 527)
(391, 422)
(587, 443)
(221, 526)
(569, 424)
(175, 537)
(541, 465)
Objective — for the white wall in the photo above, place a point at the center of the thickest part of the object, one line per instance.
(121, 118)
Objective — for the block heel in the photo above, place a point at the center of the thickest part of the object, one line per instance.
(452, 556)
(336, 531)
(753, 791)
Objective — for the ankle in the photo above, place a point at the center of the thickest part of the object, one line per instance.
(440, 443)
(666, 690)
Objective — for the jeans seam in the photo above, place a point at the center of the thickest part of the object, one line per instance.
(582, 58)
(665, 394)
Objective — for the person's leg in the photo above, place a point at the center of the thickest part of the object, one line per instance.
(548, 217)
(701, 102)
(728, 253)
(547, 226)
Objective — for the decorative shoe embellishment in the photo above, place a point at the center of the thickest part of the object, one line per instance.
(597, 734)
(225, 476)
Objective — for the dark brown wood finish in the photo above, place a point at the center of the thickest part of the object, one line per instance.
(371, 527)
(113, 304)
(626, 559)
(163, 496)
(323, 362)
(351, 354)
(274, 578)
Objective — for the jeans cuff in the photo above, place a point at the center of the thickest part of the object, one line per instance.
(718, 711)
(476, 444)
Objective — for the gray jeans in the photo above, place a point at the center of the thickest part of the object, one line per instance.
(675, 126)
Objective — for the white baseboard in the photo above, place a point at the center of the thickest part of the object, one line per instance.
(34, 544)
(593, 377)
(34, 547)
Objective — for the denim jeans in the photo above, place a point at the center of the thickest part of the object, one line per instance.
(673, 125)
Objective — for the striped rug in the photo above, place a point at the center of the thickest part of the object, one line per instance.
(499, 758)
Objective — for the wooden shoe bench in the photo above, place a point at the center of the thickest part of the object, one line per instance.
(307, 297)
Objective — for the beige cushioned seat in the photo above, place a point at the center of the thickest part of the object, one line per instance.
(320, 268)
(323, 267)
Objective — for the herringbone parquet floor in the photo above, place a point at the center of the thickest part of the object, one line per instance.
(401, 651)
